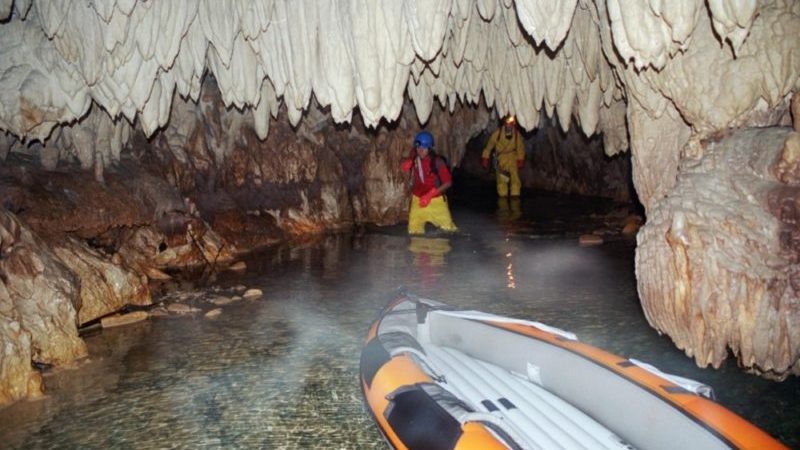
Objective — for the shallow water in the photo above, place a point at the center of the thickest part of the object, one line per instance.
(282, 371)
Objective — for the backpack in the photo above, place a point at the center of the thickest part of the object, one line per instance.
(438, 162)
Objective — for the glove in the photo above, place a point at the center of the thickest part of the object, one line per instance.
(485, 163)
(520, 163)
(406, 164)
(426, 199)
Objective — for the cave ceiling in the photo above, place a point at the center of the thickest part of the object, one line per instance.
(579, 60)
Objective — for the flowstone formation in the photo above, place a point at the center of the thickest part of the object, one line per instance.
(186, 91)
(724, 246)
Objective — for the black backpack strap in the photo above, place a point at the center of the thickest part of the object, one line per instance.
(438, 161)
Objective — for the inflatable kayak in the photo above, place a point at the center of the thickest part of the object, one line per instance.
(438, 378)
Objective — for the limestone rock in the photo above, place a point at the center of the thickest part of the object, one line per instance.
(787, 168)
(717, 260)
(238, 266)
(159, 311)
(43, 292)
(38, 319)
(631, 224)
(118, 320)
(590, 240)
(146, 248)
(156, 274)
(104, 287)
(180, 308)
(18, 380)
(221, 301)
(252, 294)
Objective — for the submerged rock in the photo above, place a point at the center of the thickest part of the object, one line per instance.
(252, 294)
(214, 313)
(238, 266)
(221, 301)
(118, 320)
(180, 308)
(590, 239)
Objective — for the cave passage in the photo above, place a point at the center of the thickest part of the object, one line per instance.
(142, 138)
(282, 371)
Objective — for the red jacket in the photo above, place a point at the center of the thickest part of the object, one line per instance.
(425, 178)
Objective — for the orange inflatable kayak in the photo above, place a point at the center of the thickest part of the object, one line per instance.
(438, 378)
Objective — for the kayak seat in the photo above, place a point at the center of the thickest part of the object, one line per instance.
(534, 417)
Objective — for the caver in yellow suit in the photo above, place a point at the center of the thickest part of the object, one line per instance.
(431, 179)
(508, 209)
(509, 148)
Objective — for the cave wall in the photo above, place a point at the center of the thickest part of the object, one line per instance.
(300, 179)
(572, 163)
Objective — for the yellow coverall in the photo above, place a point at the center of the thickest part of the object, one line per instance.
(509, 149)
(436, 213)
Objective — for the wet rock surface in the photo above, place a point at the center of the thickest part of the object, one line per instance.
(19, 379)
(39, 300)
(104, 285)
(75, 249)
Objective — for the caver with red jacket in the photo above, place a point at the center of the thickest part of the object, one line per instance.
(431, 179)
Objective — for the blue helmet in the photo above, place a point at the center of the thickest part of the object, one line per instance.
(423, 139)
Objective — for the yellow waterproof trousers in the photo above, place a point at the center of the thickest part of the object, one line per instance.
(437, 213)
(508, 148)
(508, 209)
(507, 174)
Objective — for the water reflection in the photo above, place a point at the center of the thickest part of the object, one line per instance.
(509, 209)
(282, 372)
(511, 284)
(429, 257)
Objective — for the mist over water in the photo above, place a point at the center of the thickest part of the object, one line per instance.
(282, 371)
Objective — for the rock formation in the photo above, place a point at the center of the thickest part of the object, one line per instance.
(679, 84)
(52, 280)
(40, 299)
(717, 259)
